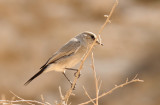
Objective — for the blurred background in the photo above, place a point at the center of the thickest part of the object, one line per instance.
(32, 30)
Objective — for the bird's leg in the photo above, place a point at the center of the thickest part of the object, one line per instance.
(74, 70)
(69, 80)
(71, 69)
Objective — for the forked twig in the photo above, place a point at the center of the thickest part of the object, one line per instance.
(96, 84)
(20, 98)
(95, 79)
(115, 88)
(88, 95)
(68, 93)
(23, 100)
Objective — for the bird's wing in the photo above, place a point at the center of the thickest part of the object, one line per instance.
(67, 50)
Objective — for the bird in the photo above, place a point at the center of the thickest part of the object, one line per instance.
(68, 55)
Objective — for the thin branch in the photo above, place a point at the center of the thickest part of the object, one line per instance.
(20, 98)
(135, 77)
(88, 95)
(42, 98)
(113, 89)
(108, 19)
(100, 85)
(95, 79)
(127, 80)
(60, 92)
(16, 101)
(23, 100)
(68, 93)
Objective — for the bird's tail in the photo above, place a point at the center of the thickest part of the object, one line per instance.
(36, 75)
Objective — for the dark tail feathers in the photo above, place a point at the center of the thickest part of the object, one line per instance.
(36, 75)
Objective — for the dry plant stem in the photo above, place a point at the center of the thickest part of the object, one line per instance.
(20, 98)
(100, 85)
(88, 95)
(17, 101)
(60, 92)
(108, 18)
(68, 93)
(23, 100)
(95, 79)
(115, 88)
(42, 98)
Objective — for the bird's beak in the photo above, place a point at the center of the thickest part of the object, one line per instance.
(99, 43)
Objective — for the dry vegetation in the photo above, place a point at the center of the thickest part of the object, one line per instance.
(16, 100)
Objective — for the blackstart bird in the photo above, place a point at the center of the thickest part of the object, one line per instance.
(69, 55)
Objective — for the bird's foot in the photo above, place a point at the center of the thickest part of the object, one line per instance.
(76, 73)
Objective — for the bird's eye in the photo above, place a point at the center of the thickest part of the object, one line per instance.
(92, 37)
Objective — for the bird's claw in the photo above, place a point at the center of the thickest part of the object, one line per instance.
(75, 74)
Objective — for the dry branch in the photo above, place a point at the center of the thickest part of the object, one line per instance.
(95, 79)
(88, 95)
(42, 98)
(115, 88)
(10, 102)
(27, 101)
(69, 92)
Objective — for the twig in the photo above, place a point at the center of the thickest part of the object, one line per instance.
(113, 89)
(68, 93)
(88, 95)
(20, 98)
(95, 79)
(23, 100)
(60, 92)
(108, 18)
(100, 85)
(135, 77)
(42, 98)
(34, 101)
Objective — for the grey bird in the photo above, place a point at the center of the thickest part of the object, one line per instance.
(69, 55)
